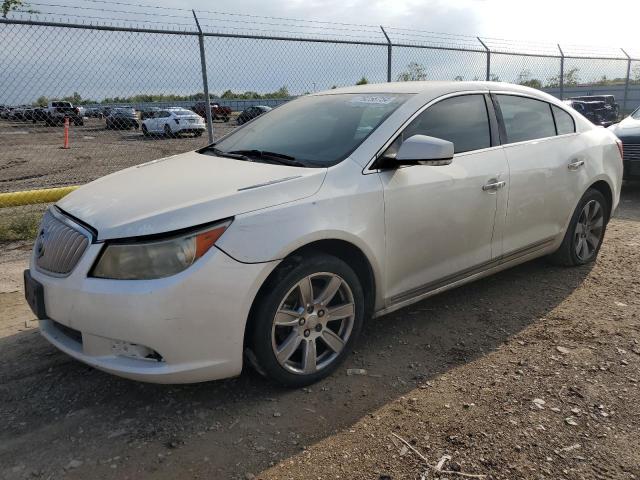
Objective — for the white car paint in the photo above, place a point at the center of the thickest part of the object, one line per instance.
(423, 229)
(177, 119)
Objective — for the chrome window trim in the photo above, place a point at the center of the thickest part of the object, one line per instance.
(368, 167)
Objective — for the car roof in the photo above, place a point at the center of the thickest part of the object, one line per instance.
(427, 90)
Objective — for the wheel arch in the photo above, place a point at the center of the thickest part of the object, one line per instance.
(605, 189)
(342, 249)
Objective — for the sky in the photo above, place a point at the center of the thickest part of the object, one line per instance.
(55, 62)
(569, 21)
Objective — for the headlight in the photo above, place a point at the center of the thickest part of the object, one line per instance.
(157, 258)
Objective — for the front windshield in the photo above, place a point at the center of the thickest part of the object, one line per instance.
(316, 131)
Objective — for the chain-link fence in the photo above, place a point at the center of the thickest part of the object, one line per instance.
(132, 95)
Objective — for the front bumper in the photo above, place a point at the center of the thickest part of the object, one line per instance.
(193, 322)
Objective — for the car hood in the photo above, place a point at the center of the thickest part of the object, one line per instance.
(629, 127)
(184, 191)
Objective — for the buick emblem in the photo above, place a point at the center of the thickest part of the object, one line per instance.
(40, 242)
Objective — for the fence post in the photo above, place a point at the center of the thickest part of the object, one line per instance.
(561, 79)
(205, 83)
(488, 77)
(388, 53)
(626, 82)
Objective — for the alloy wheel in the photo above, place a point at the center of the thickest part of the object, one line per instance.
(313, 323)
(589, 230)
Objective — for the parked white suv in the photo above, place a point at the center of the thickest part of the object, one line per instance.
(173, 121)
(280, 239)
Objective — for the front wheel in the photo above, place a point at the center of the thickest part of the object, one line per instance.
(585, 233)
(167, 131)
(307, 320)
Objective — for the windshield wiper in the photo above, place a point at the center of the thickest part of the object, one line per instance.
(219, 153)
(280, 158)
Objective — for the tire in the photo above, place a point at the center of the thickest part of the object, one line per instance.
(226, 119)
(283, 293)
(584, 236)
(198, 133)
(167, 131)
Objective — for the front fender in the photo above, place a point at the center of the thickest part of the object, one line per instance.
(348, 207)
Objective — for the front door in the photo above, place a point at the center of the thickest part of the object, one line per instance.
(440, 219)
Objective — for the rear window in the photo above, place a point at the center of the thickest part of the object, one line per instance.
(564, 121)
(526, 118)
(182, 112)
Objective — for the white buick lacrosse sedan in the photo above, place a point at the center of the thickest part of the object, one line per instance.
(276, 243)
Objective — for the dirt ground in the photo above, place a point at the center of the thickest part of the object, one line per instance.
(533, 373)
(31, 155)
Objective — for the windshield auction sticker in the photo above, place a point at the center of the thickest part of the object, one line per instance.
(372, 99)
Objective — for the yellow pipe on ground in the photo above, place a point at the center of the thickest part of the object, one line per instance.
(31, 197)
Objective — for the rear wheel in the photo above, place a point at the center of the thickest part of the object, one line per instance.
(587, 227)
(307, 321)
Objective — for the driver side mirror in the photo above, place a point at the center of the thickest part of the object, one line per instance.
(425, 150)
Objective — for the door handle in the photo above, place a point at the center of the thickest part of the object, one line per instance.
(575, 165)
(493, 186)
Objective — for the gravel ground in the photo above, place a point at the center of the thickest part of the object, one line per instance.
(533, 373)
(31, 155)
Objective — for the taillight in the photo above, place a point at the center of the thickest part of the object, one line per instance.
(620, 147)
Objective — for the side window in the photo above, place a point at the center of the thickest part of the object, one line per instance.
(564, 121)
(462, 120)
(526, 118)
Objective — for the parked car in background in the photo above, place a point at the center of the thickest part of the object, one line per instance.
(218, 112)
(251, 113)
(57, 111)
(122, 118)
(94, 112)
(628, 131)
(148, 112)
(275, 243)
(173, 121)
(594, 111)
(39, 114)
(611, 109)
(4, 112)
(17, 113)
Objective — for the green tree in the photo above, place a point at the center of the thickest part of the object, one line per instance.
(42, 101)
(362, 81)
(571, 79)
(524, 78)
(414, 72)
(13, 5)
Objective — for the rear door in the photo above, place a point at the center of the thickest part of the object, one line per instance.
(547, 174)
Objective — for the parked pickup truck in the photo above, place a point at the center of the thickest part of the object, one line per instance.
(611, 109)
(57, 111)
(218, 112)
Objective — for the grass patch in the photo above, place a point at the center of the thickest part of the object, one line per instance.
(20, 223)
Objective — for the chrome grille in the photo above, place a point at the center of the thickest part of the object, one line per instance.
(59, 245)
(631, 151)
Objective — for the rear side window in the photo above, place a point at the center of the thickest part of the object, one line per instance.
(462, 120)
(526, 118)
(564, 121)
